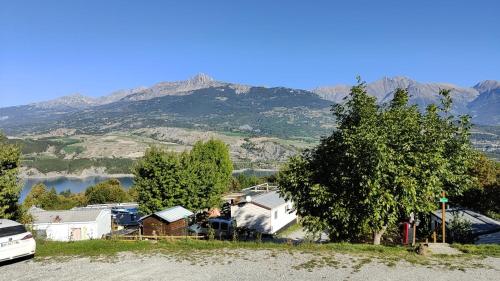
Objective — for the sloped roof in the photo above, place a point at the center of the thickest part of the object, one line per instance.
(269, 200)
(64, 216)
(492, 238)
(480, 223)
(172, 214)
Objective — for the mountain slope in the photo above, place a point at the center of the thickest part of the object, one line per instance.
(267, 111)
(486, 107)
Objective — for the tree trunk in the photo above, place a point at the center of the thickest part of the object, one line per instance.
(377, 235)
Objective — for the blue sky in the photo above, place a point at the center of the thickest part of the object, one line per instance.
(54, 48)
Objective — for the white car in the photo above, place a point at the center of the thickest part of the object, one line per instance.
(15, 241)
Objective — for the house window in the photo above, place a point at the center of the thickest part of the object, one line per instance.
(275, 214)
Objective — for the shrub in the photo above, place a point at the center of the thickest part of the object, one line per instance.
(460, 231)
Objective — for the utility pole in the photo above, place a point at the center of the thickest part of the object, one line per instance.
(443, 216)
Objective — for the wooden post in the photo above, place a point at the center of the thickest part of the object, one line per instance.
(434, 236)
(414, 234)
(443, 218)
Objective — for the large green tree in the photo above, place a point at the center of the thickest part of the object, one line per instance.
(195, 179)
(381, 164)
(161, 180)
(109, 191)
(9, 182)
(211, 165)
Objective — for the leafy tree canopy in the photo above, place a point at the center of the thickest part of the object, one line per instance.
(195, 179)
(484, 197)
(9, 183)
(42, 197)
(109, 191)
(381, 164)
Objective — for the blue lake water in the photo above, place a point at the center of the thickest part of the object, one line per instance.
(74, 184)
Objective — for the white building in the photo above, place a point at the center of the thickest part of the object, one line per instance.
(71, 225)
(266, 212)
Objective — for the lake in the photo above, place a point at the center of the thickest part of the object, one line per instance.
(74, 184)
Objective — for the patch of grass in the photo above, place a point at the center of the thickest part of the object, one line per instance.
(357, 267)
(490, 250)
(73, 149)
(89, 248)
(110, 247)
(289, 230)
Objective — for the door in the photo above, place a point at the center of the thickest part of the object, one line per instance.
(76, 234)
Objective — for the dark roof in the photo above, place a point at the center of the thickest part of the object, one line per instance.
(491, 238)
(480, 223)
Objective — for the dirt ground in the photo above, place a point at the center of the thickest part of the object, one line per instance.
(246, 265)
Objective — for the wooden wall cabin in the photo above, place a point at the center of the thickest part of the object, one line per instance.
(162, 227)
(169, 222)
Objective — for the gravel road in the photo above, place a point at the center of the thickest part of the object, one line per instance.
(261, 265)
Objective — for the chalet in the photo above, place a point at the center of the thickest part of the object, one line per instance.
(172, 221)
(261, 208)
(71, 225)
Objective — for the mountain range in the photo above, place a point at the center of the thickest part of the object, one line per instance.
(205, 103)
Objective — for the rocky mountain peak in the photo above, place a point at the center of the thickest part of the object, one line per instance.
(487, 85)
(201, 79)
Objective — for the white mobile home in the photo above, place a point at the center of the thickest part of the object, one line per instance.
(71, 225)
(266, 212)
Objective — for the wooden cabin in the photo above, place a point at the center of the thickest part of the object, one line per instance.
(169, 222)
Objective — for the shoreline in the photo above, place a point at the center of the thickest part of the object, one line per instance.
(55, 175)
(72, 176)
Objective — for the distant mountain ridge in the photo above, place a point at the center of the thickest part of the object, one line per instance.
(203, 102)
(199, 81)
(421, 94)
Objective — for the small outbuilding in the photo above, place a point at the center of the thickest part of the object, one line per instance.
(263, 210)
(71, 225)
(169, 222)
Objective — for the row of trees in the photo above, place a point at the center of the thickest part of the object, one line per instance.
(109, 191)
(195, 179)
(380, 165)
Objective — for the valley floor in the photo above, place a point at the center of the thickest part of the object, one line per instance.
(244, 264)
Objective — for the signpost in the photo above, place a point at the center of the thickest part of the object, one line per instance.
(443, 201)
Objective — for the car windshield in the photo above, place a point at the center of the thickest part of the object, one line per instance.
(12, 230)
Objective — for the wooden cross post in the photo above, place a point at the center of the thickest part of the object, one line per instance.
(443, 218)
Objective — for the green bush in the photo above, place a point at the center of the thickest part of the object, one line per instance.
(460, 231)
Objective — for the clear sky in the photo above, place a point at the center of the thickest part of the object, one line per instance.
(54, 48)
